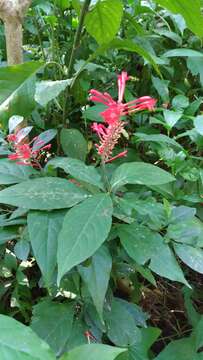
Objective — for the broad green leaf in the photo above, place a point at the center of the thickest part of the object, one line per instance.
(129, 45)
(44, 228)
(140, 350)
(183, 53)
(191, 256)
(198, 334)
(195, 64)
(171, 117)
(73, 144)
(170, 35)
(7, 234)
(190, 10)
(103, 20)
(63, 4)
(48, 90)
(12, 173)
(158, 138)
(198, 123)
(161, 87)
(136, 312)
(22, 249)
(118, 317)
(46, 193)
(96, 277)
(139, 241)
(178, 350)
(132, 20)
(19, 342)
(180, 102)
(53, 322)
(142, 244)
(181, 213)
(85, 228)
(78, 170)
(17, 84)
(126, 45)
(93, 113)
(93, 352)
(139, 173)
(165, 264)
(186, 231)
(77, 336)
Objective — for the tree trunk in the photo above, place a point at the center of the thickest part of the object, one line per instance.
(12, 13)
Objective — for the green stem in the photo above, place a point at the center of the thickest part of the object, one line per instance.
(76, 43)
(78, 35)
(105, 177)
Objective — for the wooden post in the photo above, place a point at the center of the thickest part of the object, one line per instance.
(12, 13)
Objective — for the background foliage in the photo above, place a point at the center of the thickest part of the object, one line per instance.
(104, 265)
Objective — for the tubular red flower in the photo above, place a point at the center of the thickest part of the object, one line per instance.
(121, 85)
(110, 133)
(108, 139)
(105, 98)
(26, 155)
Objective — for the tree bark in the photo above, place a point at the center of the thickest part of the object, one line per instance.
(12, 13)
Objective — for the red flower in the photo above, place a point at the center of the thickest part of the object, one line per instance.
(110, 134)
(24, 154)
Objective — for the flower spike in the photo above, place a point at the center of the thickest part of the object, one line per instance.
(110, 132)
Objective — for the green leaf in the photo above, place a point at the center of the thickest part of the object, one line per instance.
(139, 173)
(53, 322)
(96, 277)
(161, 87)
(17, 89)
(195, 64)
(19, 342)
(46, 193)
(171, 117)
(158, 138)
(142, 244)
(92, 352)
(180, 102)
(188, 231)
(12, 173)
(191, 256)
(190, 10)
(118, 317)
(181, 213)
(198, 123)
(7, 235)
(183, 53)
(78, 170)
(49, 90)
(93, 113)
(127, 45)
(44, 228)
(22, 249)
(73, 144)
(139, 241)
(178, 350)
(103, 21)
(78, 240)
(165, 264)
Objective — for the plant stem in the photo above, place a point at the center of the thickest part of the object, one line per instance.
(76, 42)
(105, 177)
(78, 35)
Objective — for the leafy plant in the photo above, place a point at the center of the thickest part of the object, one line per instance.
(101, 197)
